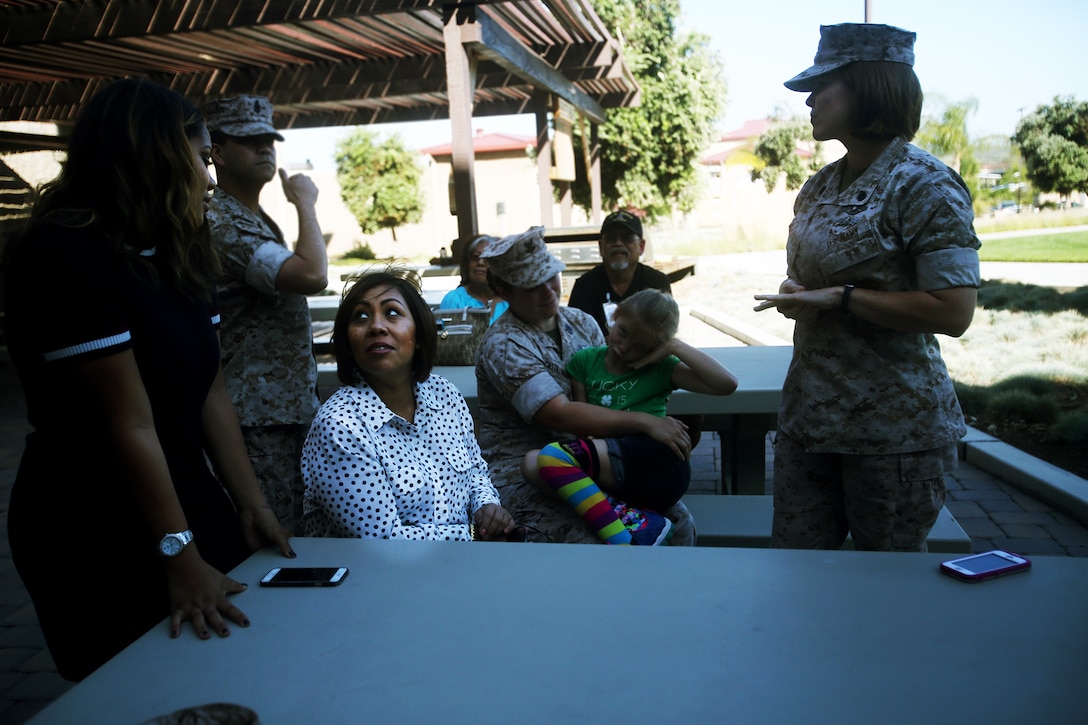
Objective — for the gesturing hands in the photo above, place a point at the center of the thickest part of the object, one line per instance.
(299, 189)
(796, 302)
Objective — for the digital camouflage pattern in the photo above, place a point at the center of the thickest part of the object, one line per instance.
(854, 387)
(276, 453)
(852, 42)
(267, 351)
(267, 339)
(522, 260)
(885, 503)
(240, 116)
(519, 368)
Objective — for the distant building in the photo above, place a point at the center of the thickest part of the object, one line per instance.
(732, 206)
(507, 200)
(507, 193)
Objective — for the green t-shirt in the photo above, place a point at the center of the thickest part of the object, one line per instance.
(645, 391)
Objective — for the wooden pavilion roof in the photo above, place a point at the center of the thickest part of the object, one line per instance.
(321, 62)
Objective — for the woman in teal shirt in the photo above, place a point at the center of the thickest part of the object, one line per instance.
(474, 290)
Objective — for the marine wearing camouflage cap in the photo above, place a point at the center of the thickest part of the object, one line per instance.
(523, 260)
(240, 116)
(848, 43)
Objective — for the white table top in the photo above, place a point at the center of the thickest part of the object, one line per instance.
(759, 370)
(500, 633)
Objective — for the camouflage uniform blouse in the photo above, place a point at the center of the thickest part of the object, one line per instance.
(267, 340)
(518, 370)
(854, 387)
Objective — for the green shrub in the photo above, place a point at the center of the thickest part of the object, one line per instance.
(1022, 405)
(1030, 384)
(1071, 428)
(1020, 297)
(361, 250)
(1078, 300)
(973, 398)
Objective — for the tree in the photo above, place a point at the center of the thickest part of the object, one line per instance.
(1053, 142)
(649, 153)
(946, 137)
(777, 149)
(379, 181)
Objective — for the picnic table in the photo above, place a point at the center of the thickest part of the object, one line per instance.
(743, 635)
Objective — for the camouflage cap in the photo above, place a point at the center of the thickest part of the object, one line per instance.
(240, 116)
(625, 219)
(851, 42)
(522, 260)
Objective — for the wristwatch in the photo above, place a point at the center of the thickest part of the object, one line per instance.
(173, 544)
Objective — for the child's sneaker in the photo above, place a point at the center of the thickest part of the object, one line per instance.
(648, 528)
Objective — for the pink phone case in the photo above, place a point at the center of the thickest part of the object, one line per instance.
(980, 567)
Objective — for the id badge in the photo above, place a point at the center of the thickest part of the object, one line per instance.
(609, 310)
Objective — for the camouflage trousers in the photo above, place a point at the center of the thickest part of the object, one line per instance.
(276, 454)
(885, 502)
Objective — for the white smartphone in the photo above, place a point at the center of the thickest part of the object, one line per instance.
(304, 576)
(985, 566)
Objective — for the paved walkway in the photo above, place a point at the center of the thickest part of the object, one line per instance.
(994, 514)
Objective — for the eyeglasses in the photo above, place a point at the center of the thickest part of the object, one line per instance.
(628, 239)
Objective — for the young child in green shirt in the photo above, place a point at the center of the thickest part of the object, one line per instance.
(619, 484)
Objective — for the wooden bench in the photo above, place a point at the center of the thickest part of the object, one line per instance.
(745, 521)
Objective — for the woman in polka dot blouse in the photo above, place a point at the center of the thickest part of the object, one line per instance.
(392, 454)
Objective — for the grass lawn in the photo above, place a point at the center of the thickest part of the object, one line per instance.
(1064, 247)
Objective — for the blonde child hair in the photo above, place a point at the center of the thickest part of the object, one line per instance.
(656, 310)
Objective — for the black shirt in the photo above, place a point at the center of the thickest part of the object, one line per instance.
(593, 289)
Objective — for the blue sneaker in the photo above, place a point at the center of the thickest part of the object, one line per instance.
(648, 528)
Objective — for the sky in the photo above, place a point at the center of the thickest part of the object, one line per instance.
(1010, 56)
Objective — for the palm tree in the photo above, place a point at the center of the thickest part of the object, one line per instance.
(946, 136)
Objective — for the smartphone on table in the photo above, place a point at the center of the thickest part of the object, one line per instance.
(304, 576)
(979, 567)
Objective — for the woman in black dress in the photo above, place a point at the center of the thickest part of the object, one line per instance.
(116, 520)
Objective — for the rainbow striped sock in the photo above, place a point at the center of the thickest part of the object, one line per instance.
(558, 466)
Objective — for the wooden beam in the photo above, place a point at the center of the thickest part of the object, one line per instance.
(594, 172)
(491, 41)
(543, 159)
(461, 84)
(374, 116)
(67, 22)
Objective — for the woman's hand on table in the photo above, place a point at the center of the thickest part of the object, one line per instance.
(493, 522)
(198, 594)
(260, 526)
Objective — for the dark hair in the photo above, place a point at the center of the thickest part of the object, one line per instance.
(466, 255)
(130, 175)
(499, 285)
(889, 99)
(407, 283)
